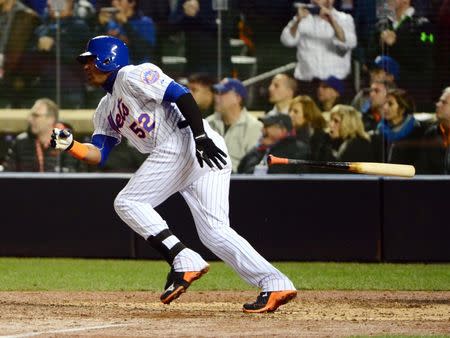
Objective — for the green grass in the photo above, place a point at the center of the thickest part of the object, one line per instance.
(135, 275)
(402, 336)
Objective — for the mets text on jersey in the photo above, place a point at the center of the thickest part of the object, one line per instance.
(145, 121)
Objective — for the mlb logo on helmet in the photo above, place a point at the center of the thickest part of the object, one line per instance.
(150, 76)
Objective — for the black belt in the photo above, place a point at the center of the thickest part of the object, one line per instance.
(182, 124)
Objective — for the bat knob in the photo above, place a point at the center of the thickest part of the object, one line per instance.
(271, 160)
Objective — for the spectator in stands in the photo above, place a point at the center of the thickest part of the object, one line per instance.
(201, 87)
(409, 39)
(83, 8)
(135, 29)
(398, 132)
(385, 70)
(73, 35)
(435, 147)
(374, 110)
(31, 150)
(309, 124)
(279, 140)
(231, 120)
(329, 93)
(197, 19)
(348, 141)
(17, 23)
(282, 90)
(324, 42)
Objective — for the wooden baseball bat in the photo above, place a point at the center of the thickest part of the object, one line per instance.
(368, 168)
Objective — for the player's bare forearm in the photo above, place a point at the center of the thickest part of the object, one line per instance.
(86, 152)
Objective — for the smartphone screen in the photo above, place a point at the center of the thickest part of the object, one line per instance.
(315, 10)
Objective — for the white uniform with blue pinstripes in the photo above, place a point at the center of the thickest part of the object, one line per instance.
(135, 110)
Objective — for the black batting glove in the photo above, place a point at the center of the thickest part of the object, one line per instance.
(207, 151)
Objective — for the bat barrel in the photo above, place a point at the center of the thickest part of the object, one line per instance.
(384, 169)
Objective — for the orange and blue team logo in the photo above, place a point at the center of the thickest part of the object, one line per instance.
(150, 76)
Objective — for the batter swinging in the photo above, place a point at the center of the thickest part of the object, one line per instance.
(160, 118)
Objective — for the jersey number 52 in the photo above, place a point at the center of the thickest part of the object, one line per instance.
(146, 122)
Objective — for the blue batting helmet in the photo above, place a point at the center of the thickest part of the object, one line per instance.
(110, 53)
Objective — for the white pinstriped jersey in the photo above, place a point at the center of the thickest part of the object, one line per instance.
(135, 108)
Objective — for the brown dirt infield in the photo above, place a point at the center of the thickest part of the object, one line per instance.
(218, 314)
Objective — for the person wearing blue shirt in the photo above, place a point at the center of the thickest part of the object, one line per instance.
(135, 29)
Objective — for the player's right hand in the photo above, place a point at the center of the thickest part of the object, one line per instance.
(207, 151)
(61, 139)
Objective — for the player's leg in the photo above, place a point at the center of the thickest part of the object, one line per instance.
(157, 179)
(207, 198)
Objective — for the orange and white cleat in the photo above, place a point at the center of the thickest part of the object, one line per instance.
(178, 282)
(269, 301)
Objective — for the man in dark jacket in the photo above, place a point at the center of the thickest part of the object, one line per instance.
(409, 39)
(31, 151)
(279, 140)
(435, 150)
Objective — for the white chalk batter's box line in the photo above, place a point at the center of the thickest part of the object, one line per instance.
(76, 329)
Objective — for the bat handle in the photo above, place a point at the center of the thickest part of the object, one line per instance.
(271, 160)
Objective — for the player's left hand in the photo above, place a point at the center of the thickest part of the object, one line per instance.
(61, 139)
(207, 151)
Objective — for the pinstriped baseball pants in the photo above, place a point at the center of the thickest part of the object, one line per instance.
(172, 167)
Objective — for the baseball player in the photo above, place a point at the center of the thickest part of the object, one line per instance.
(160, 118)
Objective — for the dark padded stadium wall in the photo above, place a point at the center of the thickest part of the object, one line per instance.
(285, 219)
(62, 218)
(416, 225)
(307, 218)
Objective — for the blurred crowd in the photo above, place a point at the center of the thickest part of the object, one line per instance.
(364, 69)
